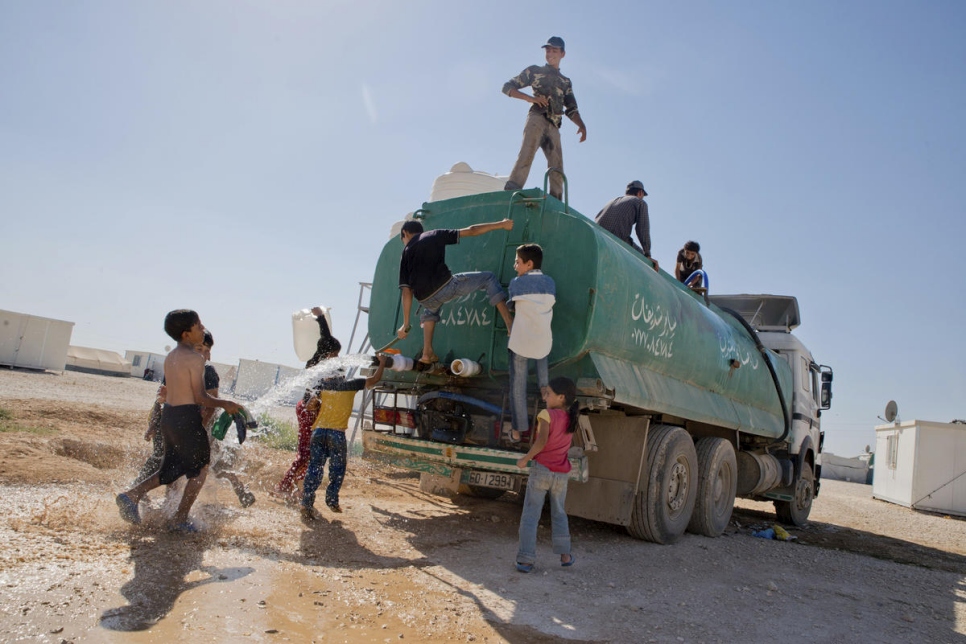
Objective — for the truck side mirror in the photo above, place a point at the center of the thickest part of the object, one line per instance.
(826, 392)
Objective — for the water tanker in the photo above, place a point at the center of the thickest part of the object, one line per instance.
(688, 400)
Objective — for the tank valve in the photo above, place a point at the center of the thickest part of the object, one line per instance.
(734, 363)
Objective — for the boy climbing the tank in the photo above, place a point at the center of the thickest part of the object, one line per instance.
(532, 296)
(423, 274)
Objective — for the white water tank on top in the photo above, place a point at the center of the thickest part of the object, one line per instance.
(460, 181)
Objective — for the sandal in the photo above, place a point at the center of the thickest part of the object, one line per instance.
(128, 508)
(524, 567)
(567, 564)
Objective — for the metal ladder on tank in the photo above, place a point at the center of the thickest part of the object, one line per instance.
(365, 345)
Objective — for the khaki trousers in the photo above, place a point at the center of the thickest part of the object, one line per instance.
(538, 133)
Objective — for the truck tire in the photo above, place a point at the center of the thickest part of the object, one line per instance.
(796, 511)
(480, 492)
(665, 500)
(717, 484)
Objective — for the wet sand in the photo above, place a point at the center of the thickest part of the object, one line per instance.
(400, 564)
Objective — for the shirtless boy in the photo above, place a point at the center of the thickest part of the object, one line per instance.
(186, 450)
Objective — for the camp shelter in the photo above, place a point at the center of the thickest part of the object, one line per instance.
(33, 342)
(141, 361)
(921, 465)
(99, 361)
(841, 468)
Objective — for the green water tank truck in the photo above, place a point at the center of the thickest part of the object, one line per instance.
(687, 400)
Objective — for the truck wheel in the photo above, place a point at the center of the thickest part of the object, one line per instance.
(663, 505)
(795, 512)
(480, 492)
(717, 483)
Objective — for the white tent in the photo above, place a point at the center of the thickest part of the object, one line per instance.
(33, 342)
(99, 361)
(840, 468)
(921, 465)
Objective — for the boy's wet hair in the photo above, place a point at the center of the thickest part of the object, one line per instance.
(531, 253)
(177, 323)
(412, 227)
(209, 340)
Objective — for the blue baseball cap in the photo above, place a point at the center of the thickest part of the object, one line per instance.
(555, 41)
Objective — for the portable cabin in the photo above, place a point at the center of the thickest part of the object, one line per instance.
(921, 465)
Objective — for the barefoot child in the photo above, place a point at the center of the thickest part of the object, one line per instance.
(186, 450)
(549, 473)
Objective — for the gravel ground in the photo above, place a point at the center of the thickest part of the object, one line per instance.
(399, 564)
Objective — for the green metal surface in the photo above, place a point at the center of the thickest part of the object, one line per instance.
(657, 344)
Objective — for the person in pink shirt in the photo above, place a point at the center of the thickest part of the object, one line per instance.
(549, 473)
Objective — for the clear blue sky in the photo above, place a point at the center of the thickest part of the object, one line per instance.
(246, 159)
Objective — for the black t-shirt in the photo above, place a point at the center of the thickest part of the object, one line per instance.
(423, 264)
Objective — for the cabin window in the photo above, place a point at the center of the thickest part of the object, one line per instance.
(136, 362)
(806, 375)
(892, 449)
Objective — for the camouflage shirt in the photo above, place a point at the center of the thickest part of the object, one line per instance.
(547, 81)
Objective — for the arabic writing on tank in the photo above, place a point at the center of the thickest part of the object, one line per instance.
(654, 330)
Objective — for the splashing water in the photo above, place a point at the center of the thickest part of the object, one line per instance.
(291, 388)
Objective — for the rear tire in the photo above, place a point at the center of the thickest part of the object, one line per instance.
(717, 484)
(665, 501)
(796, 511)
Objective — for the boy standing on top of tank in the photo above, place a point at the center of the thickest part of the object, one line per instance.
(186, 450)
(423, 273)
(532, 295)
(553, 97)
(624, 213)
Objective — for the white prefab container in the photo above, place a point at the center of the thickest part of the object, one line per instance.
(141, 361)
(921, 465)
(33, 342)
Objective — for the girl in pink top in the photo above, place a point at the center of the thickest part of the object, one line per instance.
(549, 473)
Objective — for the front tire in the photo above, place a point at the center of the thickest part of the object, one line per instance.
(717, 485)
(663, 505)
(796, 511)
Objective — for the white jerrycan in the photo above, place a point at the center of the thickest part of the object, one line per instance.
(305, 332)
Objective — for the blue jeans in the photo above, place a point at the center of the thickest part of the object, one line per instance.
(540, 483)
(519, 370)
(459, 285)
(326, 444)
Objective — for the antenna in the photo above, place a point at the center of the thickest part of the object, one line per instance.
(891, 413)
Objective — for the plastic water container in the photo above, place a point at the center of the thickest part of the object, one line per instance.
(305, 332)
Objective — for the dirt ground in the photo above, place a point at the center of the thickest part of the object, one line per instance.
(400, 564)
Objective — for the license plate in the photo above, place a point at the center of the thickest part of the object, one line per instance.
(491, 479)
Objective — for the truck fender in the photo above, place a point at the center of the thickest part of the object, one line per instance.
(803, 451)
